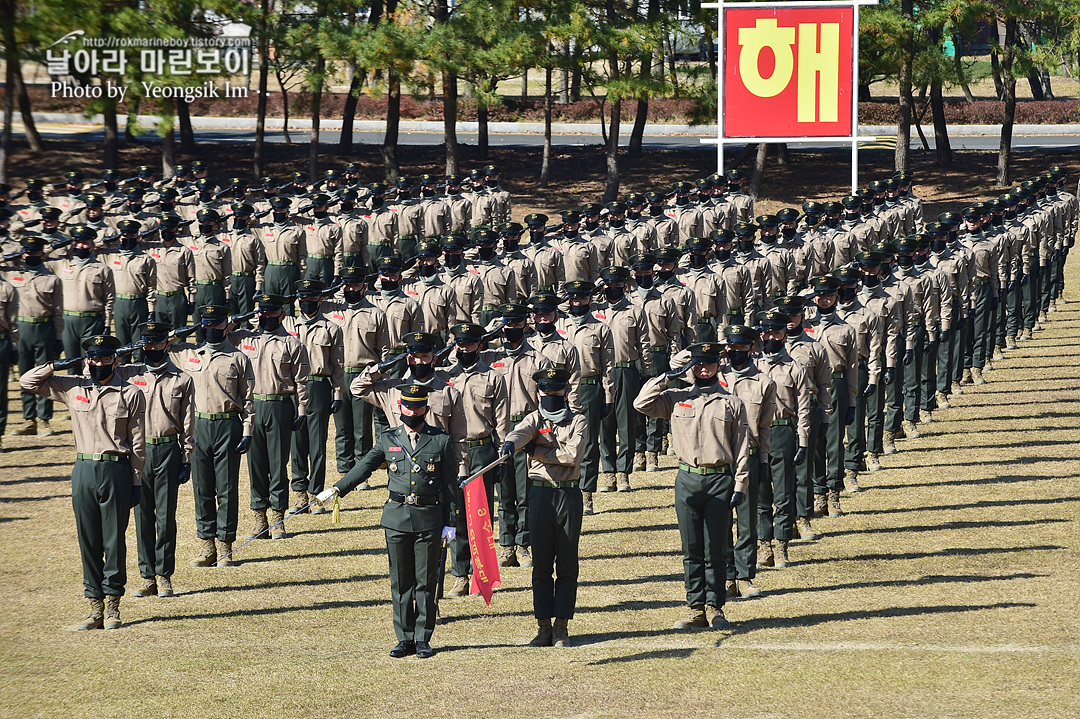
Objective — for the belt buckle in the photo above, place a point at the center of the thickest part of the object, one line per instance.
(96, 456)
(410, 499)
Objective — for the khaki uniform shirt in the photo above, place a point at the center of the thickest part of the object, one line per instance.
(40, 295)
(354, 237)
(498, 280)
(484, 398)
(170, 403)
(322, 339)
(175, 269)
(9, 306)
(213, 261)
(758, 395)
(403, 316)
(88, 286)
(436, 217)
(559, 448)
(280, 362)
(868, 331)
(709, 292)
(688, 219)
(548, 261)
(437, 300)
(286, 244)
(841, 343)
(815, 360)
(469, 292)
(517, 369)
(738, 285)
(523, 270)
(661, 319)
(134, 274)
(410, 218)
(782, 270)
(224, 379)
(323, 237)
(561, 353)
(667, 230)
(686, 305)
(364, 332)
(644, 233)
(595, 347)
(629, 331)
(581, 261)
(793, 392)
(247, 253)
(461, 209)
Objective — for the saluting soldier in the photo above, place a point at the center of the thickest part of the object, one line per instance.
(461, 206)
(89, 292)
(248, 260)
(354, 232)
(744, 204)
(667, 230)
(170, 440)
(437, 300)
(552, 344)
(436, 211)
(503, 202)
(581, 259)
(174, 294)
(467, 287)
(739, 277)
(32, 208)
(713, 474)
(135, 278)
(593, 233)
(707, 286)
(554, 437)
(213, 264)
(547, 260)
(686, 214)
(322, 339)
(487, 420)
(498, 280)
(285, 245)
(410, 219)
(323, 238)
(403, 315)
(644, 232)
(40, 319)
(281, 366)
(107, 418)
(520, 265)
(422, 472)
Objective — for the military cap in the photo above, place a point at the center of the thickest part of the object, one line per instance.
(865, 195)
(35, 185)
(877, 186)
(791, 305)
(490, 170)
(902, 176)
(428, 248)
(319, 199)
(333, 175)
(510, 229)
(972, 212)
(535, 219)
(198, 166)
(127, 226)
(179, 170)
(213, 314)
(428, 179)
(454, 242)
(787, 214)
(884, 250)
(484, 236)
(813, 208)
(614, 274)
(722, 236)
(570, 216)
(33, 243)
(82, 232)
(298, 178)
(101, 346)
(242, 209)
(698, 244)
(552, 379)
(579, 288)
(543, 302)
(892, 184)
(135, 194)
(168, 195)
(354, 275)
(745, 229)
(269, 302)
(907, 245)
(6, 213)
(377, 188)
(995, 206)
(643, 261)
(772, 320)
(475, 173)
(797, 286)
(1020, 194)
(170, 221)
(704, 184)
(76, 176)
(204, 184)
(936, 229)
(281, 203)
(414, 395)
(50, 213)
(421, 342)
(467, 332)
(832, 208)
(352, 167)
(388, 265)
(95, 200)
(237, 183)
(453, 179)
(404, 183)
(655, 198)
(268, 182)
(767, 222)
(733, 176)
(155, 331)
(208, 216)
(665, 255)
(515, 311)
(1008, 199)
(634, 199)
(950, 219)
(851, 202)
(309, 288)
(706, 352)
(824, 285)
(616, 206)
(683, 187)
(591, 208)
(349, 197)
(847, 275)
(740, 335)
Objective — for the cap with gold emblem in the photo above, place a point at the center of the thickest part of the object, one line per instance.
(615, 274)
(155, 331)
(413, 395)
(643, 261)
(580, 288)
(552, 379)
(848, 275)
(706, 352)
(208, 216)
(740, 335)
(309, 288)
(84, 233)
(773, 320)
(420, 342)
(514, 312)
(466, 332)
(791, 305)
(128, 227)
(543, 302)
(536, 219)
(429, 248)
(269, 303)
(389, 265)
(101, 346)
(824, 285)
(50, 213)
(353, 275)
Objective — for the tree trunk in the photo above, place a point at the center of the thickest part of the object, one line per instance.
(525, 84)
(564, 73)
(1009, 82)
(575, 77)
(393, 120)
(11, 59)
(450, 115)
(131, 123)
(782, 157)
(958, 65)
(187, 135)
(264, 73)
(995, 60)
(611, 189)
(33, 137)
(1047, 87)
(864, 92)
(1035, 83)
(943, 148)
(316, 110)
(545, 163)
(111, 143)
(903, 125)
(482, 121)
(759, 169)
(348, 113)
(168, 146)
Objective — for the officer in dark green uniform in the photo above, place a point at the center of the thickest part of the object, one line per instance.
(422, 472)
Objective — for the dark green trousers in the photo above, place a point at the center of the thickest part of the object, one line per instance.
(831, 475)
(617, 455)
(701, 507)
(1032, 292)
(856, 432)
(78, 329)
(912, 377)
(741, 552)
(281, 279)
(127, 316)
(309, 444)
(268, 458)
(37, 345)
(101, 498)
(353, 434)
(947, 353)
(928, 386)
(1049, 283)
(555, 529)
(155, 517)
(407, 247)
(514, 502)
(215, 477)
(414, 579)
(706, 330)
(5, 369)
(321, 269)
(651, 430)
(377, 252)
(242, 293)
(980, 346)
(171, 309)
(875, 417)
(479, 457)
(1014, 311)
(780, 493)
(967, 345)
(804, 473)
(591, 397)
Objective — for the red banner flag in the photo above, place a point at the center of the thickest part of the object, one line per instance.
(485, 578)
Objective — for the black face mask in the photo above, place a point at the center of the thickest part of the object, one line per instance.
(738, 358)
(703, 382)
(591, 225)
(347, 206)
(376, 202)
(633, 214)
(939, 246)
(207, 230)
(656, 210)
(552, 402)
(168, 236)
(614, 294)
(421, 370)
(851, 216)
(309, 307)
(467, 359)
(413, 421)
(513, 335)
(214, 335)
(427, 270)
(772, 346)
(279, 217)
(129, 243)
(579, 310)
(486, 253)
(155, 357)
(644, 281)
(545, 328)
(240, 223)
(788, 232)
(747, 246)
(722, 255)
(33, 261)
(665, 275)
(353, 296)
(616, 223)
(80, 252)
(698, 261)
(510, 247)
(569, 233)
(905, 261)
(826, 310)
(847, 294)
(320, 214)
(452, 261)
(101, 373)
(833, 222)
(871, 280)
(269, 324)
(389, 285)
(812, 220)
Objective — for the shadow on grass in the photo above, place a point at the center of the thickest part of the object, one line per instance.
(951, 552)
(920, 582)
(644, 656)
(624, 581)
(317, 555)
(990, 462)
(643, 528)
(12, 519)
(356, 578)
(984, 504)
(37, 497)
(629, 605)
(266, 611)
(1009, 479)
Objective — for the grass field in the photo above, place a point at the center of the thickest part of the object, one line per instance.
(949, 590)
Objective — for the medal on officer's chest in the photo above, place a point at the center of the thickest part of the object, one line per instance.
(431, 467)
(393, 466)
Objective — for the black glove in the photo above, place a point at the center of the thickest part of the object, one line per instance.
(736, 499)
(766, 473)
(1065, 251)
(299, 422)
(13, 357)
(58, 347)
(507, 449)
(993, 304)
(136, 495)
(928, 346)
(869, 390)
(890, 375)
(608, 409)
(1042, 270)
(150, 317)
(943, 337)
(184, 474)
(800, 456)
(1023, 280)
(335, 406)
(388, 364)
(909, 357)
(190, 308)
(678, 371)
(65, 363)
(242, 447)
(849, 419)
(963, 321)
(530, 447)
(1010, 285)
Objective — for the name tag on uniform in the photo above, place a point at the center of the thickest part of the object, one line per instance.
(139, 382)
(338, 316)
(69, 271)
(599, 316)
(450, 383)
(686, 404)
(498, 364)
(194, 247)
(249, 348)
(155, 254)
(410, 292)
(545, 430)
(81, 398)
(17, 279)
(395, 449)
(196, 360)
(722, 383)
(116, 262)
(475, 272)
(293, 334)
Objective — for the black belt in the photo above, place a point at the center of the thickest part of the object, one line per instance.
(553, 485)
(479, 442)
(414, 499)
